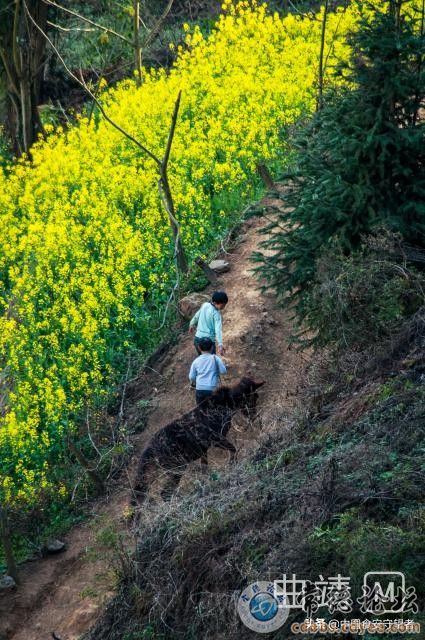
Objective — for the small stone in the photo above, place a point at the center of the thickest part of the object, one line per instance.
(272, 322)
(7, 583)
(54, 546)
(219, 266)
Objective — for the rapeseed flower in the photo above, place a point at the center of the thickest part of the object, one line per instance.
(84, 233)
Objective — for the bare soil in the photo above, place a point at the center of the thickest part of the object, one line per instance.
(65, 593)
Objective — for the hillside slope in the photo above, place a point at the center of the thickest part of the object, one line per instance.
(65, 594)
(334, 487)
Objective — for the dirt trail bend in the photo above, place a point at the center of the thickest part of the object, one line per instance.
(65, 594)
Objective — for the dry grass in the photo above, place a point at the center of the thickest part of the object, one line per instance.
(319, 490)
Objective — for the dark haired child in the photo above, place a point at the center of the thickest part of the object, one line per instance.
(208, 322)
(206, 370)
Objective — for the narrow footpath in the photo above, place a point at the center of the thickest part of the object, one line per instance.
(64, 594)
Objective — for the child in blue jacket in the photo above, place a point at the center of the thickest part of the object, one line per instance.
(208, 322)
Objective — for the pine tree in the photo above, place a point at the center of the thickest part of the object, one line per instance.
(360, 162)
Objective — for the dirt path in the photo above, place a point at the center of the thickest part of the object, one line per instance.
(65, 593)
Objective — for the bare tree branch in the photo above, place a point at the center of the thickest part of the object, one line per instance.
(87, 466)
(335, 33)
(322, 49)
(310, 15)
(157, 26)
(15, 39)
(137, 47)
(164, 317)
(172, 131)
(94, 24)
(166, 193)
(8, 71)
(84, 86)
(162, 165)
(67, 29)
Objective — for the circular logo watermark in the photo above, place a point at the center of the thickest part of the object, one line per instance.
(260, 610)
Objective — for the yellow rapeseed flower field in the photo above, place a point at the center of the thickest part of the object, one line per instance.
(84, 233)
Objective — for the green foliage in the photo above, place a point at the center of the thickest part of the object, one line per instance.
(360, 162)
(254, 553)
(360, 299)
(143, 632)
(358, 544)
(87, 47)
(5, 156)
(29, 535)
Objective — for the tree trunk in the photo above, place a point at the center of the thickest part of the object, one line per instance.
(22, 52)
(418, 97)
(265, 176)
(321, 57)
(137, 47)
(6, 541)
(167, 196)
(167, 199)
(210, 274)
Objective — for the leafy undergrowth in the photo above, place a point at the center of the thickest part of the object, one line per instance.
(335, 489)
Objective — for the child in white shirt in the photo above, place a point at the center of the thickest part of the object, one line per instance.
(206, 370)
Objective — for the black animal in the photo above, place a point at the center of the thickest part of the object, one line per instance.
(188, 438)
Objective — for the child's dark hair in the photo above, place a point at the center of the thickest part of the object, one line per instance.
(205, 344)
(220, 297)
